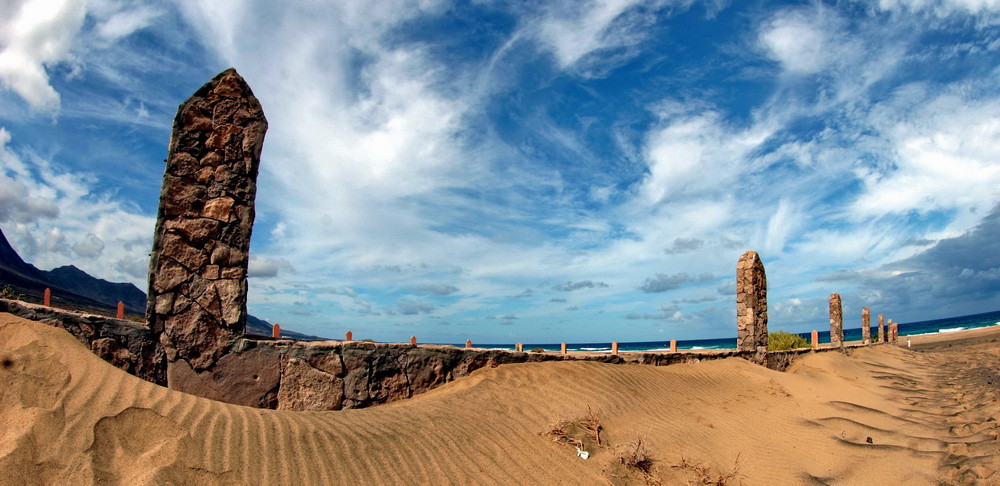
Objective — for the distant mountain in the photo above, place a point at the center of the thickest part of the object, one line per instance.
(79, 282)
(75, 289)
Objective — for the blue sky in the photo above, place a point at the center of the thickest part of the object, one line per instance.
(532, 171)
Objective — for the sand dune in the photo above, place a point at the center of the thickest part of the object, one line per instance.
(882, 416)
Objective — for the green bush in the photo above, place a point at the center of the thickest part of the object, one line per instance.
(781, 341)
(10, 293)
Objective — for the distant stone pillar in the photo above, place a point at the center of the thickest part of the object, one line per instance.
(468, 344)
(562, 348)
(276, 331)
(815, 339)
(198, 266)
(836, 321)
(614, 347)
(519, 347)
(47, 298)
(413, 340)
(881, 328)
(673, 345)
(121, 310)
(751, 303)
(866, 325)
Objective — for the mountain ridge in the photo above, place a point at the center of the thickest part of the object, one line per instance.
(76, 289)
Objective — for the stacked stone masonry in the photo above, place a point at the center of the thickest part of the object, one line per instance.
(751, 303)
(836, 321)
(198, 267)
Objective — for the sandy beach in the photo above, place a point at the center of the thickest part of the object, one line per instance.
(886, 415)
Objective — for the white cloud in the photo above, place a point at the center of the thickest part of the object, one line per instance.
(37, 34)
(946, 153)
(99, 235)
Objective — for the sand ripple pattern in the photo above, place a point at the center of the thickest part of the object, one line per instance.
(884, 416)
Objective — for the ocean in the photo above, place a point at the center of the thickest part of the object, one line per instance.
(951, 324)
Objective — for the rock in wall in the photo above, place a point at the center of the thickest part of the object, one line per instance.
(836, 321)
(198, 266)
(751, 303)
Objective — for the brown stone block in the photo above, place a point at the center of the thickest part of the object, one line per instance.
(219, 208)
(197, 336)
(170, 275)
(164, 303)
(190, 257)
(328, 363)
(306, 388)
(195, 119)
(212, 159)
(240, 378)
(182, 164)
(194, 230)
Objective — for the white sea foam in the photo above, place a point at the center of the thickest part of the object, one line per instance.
(952, 329)
(595, 349)
(698, 347)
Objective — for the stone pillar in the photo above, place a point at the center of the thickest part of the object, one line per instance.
(121, 310)
(413, 340)
(198, 267)
(614, 347)
(881, 328)
(751, 304)
(47, 297)
(468, 344)
(815, 338)
(519, 347)
(836, 321)
(673, 345)
(562, 348)
(866, 325)
(276, 331)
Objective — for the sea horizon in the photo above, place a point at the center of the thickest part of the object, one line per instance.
(919, 328)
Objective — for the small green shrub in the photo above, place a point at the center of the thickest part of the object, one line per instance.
(10, 293)
(538, 350)
(782, 340)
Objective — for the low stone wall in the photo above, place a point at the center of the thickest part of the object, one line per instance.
(327, 375)
(125, 344)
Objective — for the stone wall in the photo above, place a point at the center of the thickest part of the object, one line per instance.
(125, 344)
(198, 267)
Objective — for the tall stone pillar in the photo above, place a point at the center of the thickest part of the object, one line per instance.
(866, 325)
(881, 328)
(751, 303)
(198, 267)
(836, 321)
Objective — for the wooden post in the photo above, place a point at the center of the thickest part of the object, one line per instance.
(121, 310)
(276, 331)
(614, 347)
(562, 348)
(673, 345)
(413, 340)
(47, 300)
(815, 338)
(349, 336)
(468, 344)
